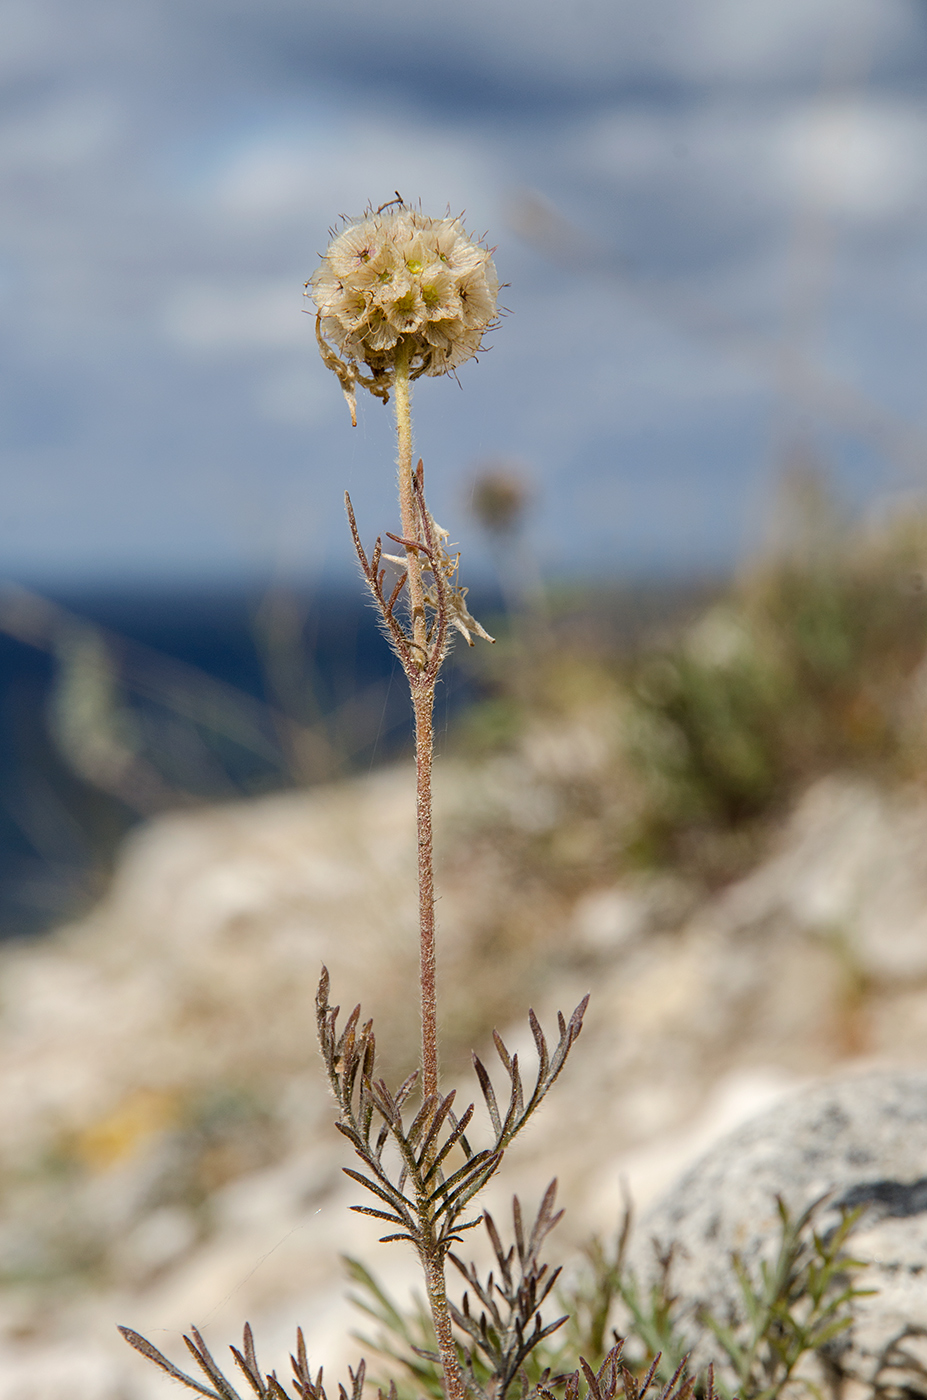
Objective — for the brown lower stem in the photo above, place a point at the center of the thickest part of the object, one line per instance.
(423, 704)
(454, 1387)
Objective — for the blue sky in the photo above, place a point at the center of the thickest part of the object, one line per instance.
(712, 215)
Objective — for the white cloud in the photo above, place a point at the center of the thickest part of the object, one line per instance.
(574, 43)
(768, 40)
(320, 172)
(296, 395)
(70, 130)
(237, 317)
(269, 178)
(162, 207)
(863, 157)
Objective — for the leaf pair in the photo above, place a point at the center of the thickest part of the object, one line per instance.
(265, 1387)
(518, 1110)
(415, 1194)
(510, 1326)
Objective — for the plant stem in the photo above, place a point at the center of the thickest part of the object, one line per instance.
(423, 705)
(454, 1388)
(407, 508)
(423, 695)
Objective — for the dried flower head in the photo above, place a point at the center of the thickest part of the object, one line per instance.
(398, 282)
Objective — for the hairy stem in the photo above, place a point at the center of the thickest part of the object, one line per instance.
(423, 704)
(454, 1388)
(423, 695)
(432, 1256)
(422, 687)
(407, 507)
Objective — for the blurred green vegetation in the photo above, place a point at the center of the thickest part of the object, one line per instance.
(813, 660)
(791, 1307)
(662, 725)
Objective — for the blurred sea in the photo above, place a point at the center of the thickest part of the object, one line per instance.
(115, 705)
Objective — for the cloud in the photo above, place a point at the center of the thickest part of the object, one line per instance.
(312, 175)
(538, 51)
(73, 129)
(291, 395)
(168, 172)
(862, 158)
(547, 50)
(234, 318)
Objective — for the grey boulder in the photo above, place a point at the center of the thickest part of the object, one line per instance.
(861, 1138)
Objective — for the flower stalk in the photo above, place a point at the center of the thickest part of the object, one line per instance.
(423, 697)
(405, 295)
(423, 706)
(407, 511)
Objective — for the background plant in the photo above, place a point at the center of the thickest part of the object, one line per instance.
(790, 1309)
(709, 720)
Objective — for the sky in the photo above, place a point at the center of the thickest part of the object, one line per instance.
(711, 217)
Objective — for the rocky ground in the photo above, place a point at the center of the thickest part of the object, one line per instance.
(168, 1155)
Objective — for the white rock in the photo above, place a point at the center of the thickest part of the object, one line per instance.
(863, 1139)
(195, 979)
(849, 866)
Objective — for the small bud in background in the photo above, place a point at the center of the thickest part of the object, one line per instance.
(500, 497)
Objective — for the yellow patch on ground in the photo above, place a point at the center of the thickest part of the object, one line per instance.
(121, 1133)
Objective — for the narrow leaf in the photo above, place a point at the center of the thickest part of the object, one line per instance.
(503, 1053)
(251, 1376)
(378, 1214)
(152, 1353)
(443, 1108)
(200, 1351)
(386, 1192)
(540, 1042)
(450, 1144)
(489, 1094)
(462, 1174)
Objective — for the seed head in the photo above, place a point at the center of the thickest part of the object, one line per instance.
(395, 281)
